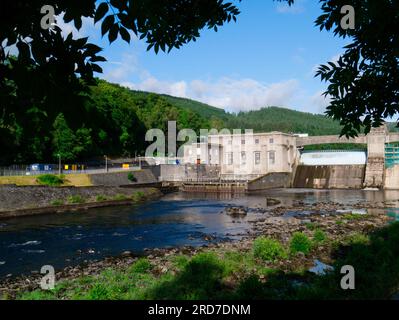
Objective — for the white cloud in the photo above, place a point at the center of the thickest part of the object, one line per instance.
(124, 69)
(227, 93)
(230, 93)
(320, 102)
(297, 8)
(151, 84)
(315, 68)
(67, 28)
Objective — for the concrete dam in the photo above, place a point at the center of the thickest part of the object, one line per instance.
(330, 177)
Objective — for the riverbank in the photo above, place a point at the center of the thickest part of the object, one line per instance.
(18, 201)
(272, 261)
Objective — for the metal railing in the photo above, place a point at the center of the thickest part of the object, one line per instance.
(19, 172)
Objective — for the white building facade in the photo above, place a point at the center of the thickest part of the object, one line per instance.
(245, 156)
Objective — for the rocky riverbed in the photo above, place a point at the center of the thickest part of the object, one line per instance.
(278, 222)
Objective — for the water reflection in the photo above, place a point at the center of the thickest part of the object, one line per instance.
(178, 219)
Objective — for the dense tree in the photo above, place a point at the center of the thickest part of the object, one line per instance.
(51, 72)
(364, 82)
(63, 139)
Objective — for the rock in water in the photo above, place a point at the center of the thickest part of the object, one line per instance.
(272, 202)
(236, 212)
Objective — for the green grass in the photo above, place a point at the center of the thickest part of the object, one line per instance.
(57, 202)
(268, 249)
(51, 180)
(238, 275)
(131, 177)
(120, 197)
(300, 243)
(319, 236)
(350, 216)
(75, 199)
(138, 196)
(100, 198)
(311, 226)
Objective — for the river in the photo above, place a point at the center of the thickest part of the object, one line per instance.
(177, 219)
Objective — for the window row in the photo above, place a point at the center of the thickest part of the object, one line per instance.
(257, 157)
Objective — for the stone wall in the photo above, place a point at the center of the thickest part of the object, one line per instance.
(33, 197)
(178, 173)
(330, 177)
(117, 179)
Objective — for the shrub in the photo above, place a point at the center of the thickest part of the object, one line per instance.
(120, 197)
(131, 177)
(57, 202)
(319, 236)
(141, 266)
(268, 249)
(101, 198)
(139, 195)
(75, 199)
(356, 238)
(311, 226)
(50, 180)
(300, 243)
(350, 216)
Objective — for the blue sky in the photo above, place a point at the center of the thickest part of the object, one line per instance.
(267, 58)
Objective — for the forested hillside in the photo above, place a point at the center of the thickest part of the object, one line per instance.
(112, 120)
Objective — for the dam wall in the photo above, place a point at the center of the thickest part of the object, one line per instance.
(330, 177)
(392, 177)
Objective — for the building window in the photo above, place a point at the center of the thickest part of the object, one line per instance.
(272, 157)
(242, 141)
(256, 141)
(230, 142)
(243, 158)
(257, 158)
(229, 157)
(271, 140)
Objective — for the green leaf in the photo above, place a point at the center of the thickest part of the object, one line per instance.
(107, 24)
(125, 34)
(101, 11)
(113, 33)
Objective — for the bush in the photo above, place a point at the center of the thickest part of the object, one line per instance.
(356, 238)
(101, 198)
(75, 199)
(141, 266)
(120, 197)
(139, 195)
(131, 177)
(268, 249)
(50, 180)
(311, 226)
(300, 243)
(319, 236)
(57, 202)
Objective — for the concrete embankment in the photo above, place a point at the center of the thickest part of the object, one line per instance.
(16, 201)
(330, 177)
(117, 179)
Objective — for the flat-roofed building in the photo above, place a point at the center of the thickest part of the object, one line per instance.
(245, 156)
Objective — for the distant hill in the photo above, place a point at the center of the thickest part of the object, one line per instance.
(285, 120)
(267, 119)
(263, 120)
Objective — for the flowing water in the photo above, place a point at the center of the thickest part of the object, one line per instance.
(178, 219)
